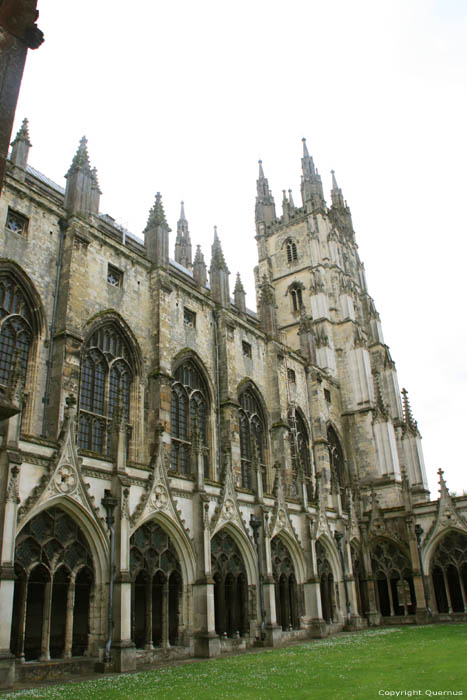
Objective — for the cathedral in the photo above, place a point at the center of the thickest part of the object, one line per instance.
(182, 476)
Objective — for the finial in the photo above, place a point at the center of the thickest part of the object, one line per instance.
(182, 210)
(290, 199)
(305, 149)
(81, 157)
(199, 257)
(261, 173)
(408, 416)
(334, 181)
(238, 284)
(156, 215)
(23, 133)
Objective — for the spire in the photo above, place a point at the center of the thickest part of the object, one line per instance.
(312, 188)
(219, 273)
(82, 188)
(199, 268)
(239, 295)
(217, 256)
(21, 146)
(265, 211)
(291, 204)
(336, 193)
(156, 234)
(183, 242)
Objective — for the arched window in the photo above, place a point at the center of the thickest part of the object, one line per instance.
(16, 328)
(252, 439)
(291, 248)
(189, 417)
(301, 462)
(339, 478)
(393, 573)
(295, 292)
(230, 586)
(106, 378)
(55, 578)
(449, 573)
(156, 587)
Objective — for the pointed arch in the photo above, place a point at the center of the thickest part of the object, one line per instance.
(246, 548)
(392, 570)
(296, 554)
(432, 545)
(448, 570)
(187, 354)
(9, 268)
(109, 316)
(180, 541)
(301, 454)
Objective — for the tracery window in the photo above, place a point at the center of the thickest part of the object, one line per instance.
(106, 379)
(339, 478)
(285, 586)
(291, 248)
(16, 328)
(156, 587)
(296, 296)
(55, 578)
(393, 573)
(189, 418)
(449, 573)
(230, 586)
(252, 439)
(301, 462)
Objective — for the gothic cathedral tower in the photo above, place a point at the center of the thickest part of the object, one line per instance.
(309, 258)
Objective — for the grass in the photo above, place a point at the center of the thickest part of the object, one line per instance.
(357, 666)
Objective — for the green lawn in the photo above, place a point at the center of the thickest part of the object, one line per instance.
(349, 667)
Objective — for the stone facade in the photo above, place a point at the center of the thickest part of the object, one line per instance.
(249, 478)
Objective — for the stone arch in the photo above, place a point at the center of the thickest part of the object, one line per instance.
(51, 551)
(288, 591)
(179, 539)
(429, 550)
(296, 554)
(93, 531)
(360, 577)
(11, 268)
(158, 586)
(231, 585)
(246, 548)
(329, 577)
(448, 571)
(392, 569)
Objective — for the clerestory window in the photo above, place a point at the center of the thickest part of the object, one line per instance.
(252, 439)
(189, 418)
(16, 328)
(106, 379)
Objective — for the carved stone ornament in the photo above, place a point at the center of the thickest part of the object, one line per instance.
(12, 493)
(280, 520)
(321, 523)
(157, 496)
(377, 526)
(227, 510)
(63, 475)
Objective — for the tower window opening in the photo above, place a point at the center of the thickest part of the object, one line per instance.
(291, 251)
(297, 300)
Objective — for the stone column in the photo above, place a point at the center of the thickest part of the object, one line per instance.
(70, 601)
(148, 593)
(207, 643)
(448, 592)
(46, 615)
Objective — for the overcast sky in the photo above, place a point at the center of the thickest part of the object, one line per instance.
(185, 97)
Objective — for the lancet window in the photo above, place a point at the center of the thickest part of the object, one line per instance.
(285, 586)
(16, 328)
(230, 586)
(53, 590)
(301, 462)
(449, 573)
(393, 573)
(252, 439)
(106, 380)
(326, 585)
(156, 588)
(339, 478)
(189, 418)
(295, 292)
(291, 248)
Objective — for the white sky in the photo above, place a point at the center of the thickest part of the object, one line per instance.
(184, 97)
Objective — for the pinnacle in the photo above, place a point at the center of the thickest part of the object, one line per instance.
(23, 133)
(305, 149)
(156, 215)
(217, 256)
(334, 181)
(199, 257)
(182, 211)
(261, 172)
(81, 157)
(238, 285)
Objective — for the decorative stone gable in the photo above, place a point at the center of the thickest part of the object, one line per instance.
(63, 478)
(320, 525)
(447, 516)
(227, 510)
(280, 520)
